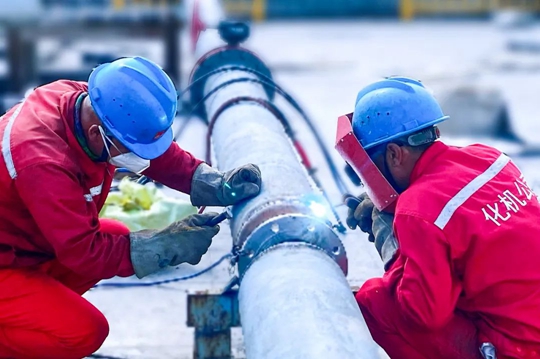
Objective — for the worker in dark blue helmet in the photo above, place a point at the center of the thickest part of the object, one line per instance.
(60, 148)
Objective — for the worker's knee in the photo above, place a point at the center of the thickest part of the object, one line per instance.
(92, 330)
(376, 304)
(96, 331)
(67, 338)
(372, 294)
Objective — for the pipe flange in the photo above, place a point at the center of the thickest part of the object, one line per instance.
(223, 57)
(266, 212)
(292, 228)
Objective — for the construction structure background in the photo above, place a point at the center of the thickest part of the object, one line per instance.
(484, 66)
(404, 9)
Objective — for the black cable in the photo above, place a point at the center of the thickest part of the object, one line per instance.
(231, 102)
(340, 183)
(164, 281)
(103, 356)
(215, 72)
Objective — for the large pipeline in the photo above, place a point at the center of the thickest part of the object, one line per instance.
(294, 299)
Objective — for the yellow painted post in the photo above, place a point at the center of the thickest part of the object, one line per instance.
(258, 10)
(406, 9)
(495, 5)
(119, 4)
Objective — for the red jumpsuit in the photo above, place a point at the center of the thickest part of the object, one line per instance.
(53, 247)
(468, 267)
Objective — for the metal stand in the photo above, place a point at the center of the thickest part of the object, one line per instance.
(213, 316)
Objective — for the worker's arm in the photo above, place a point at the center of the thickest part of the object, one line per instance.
(55, 200)
(428, 291)
(174, 168)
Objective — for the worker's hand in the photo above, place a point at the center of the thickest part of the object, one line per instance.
(360, 209)
(379, 225)
(211, 187)
(185, 241)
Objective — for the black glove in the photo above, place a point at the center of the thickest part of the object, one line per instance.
(185, 241)
(211, 187)
(379, 226)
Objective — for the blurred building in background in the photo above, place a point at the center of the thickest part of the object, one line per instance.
(25, 22)
(404, 9)
(46, 40)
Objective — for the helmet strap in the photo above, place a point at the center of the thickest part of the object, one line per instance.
(104, 157)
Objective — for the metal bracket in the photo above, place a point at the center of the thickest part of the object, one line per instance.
(213, 315)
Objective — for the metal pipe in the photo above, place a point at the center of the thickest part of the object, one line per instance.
(288, 207)
(295, 303)
(294, 299)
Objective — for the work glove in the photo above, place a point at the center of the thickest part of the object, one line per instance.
(185, 241)
(379, 226)
(211, 187)
(359, 215)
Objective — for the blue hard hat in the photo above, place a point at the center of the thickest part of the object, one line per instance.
(136, 102)
(393, 108)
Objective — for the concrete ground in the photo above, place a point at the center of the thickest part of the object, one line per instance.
(324, 64)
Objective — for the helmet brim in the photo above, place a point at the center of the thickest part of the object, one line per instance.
(406, 133)
(150, 151)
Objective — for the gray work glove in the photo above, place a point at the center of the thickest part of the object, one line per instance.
(379, 226)
(359, 214)
(185, 241)
(210, 187)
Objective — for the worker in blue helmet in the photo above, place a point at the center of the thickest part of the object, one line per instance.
(457, 229)
(60, 148)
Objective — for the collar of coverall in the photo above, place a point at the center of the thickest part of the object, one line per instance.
(428, 157)
(79, 133)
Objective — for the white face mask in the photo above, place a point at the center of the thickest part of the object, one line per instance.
(129, 161)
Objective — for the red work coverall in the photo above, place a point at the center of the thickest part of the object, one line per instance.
(53, 247)
(468, 267)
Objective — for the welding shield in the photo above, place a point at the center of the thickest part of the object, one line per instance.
(379, 190)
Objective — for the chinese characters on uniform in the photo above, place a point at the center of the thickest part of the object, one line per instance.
(509, 202)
